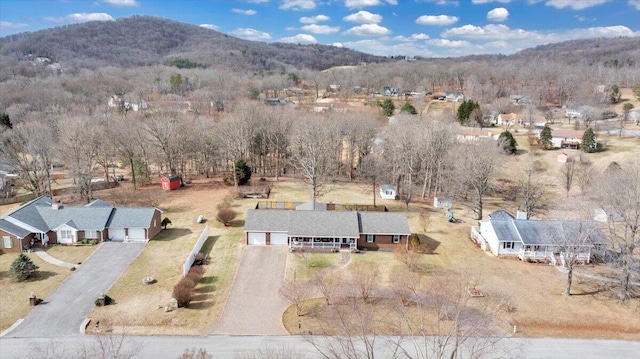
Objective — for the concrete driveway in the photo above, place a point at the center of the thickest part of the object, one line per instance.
(62, 313)
(254, 306)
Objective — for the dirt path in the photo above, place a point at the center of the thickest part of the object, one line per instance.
(254, 306)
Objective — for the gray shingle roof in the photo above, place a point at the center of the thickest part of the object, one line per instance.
(131, 217)
(324, 224)
(99, 203)
(542, 232)
(268, 220)
(347, 224)
(384, 223)
(312, 206)
(501, 214)
(84, 218)
(28, 213)
(13, 229)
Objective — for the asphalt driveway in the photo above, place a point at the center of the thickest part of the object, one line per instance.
(62, 313)
(254, 306)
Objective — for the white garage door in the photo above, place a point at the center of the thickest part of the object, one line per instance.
(136, 233)
(257, 239)
(116, 234)
(279, 239)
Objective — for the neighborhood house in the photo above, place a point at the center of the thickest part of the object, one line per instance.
(387, 191)
(43, 221)
(318, 225)
(505, 235)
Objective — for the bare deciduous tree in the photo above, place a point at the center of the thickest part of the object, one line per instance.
(619, 196)
(477, 163)
(296, 292)
(531, 188)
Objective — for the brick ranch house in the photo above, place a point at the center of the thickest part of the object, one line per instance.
(316, 225)
(43, 221)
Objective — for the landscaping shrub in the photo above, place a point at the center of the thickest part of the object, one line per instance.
(183, 294)
(22, 268)
(187, 282)
(84, 241)
(93, 242)
(195, 273)
(414, 241)
(165, 222)
(107, 301)
(72, 269)
(226, 216)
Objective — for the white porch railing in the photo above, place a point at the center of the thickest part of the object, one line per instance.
(312, 244)
(523, 254)
(478, 238)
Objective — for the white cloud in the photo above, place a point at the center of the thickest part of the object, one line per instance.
(442, 20)
(300, 39)
(359, 4)
(122, 2)
(209, 26)
(635, 3)
(583, 18)
(337, 44)
(413, 37)
(298, 5)
(363, 17)
(7, 25)
(94, 16)
(490, 1)
(244, 12)
(574, 4)
(524, 39)
(448, 43)
(321, 29)
(442, 2)
(368, 30)
(498, 14)
(251, 34)
(314, 19)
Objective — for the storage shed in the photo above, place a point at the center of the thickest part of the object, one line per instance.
(169, 183)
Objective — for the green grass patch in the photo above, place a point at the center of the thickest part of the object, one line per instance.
(303, 266)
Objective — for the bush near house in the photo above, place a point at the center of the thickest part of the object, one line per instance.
(226, 216)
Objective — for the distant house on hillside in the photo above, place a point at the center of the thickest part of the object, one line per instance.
(519, 99)
(573, 112)
(571, 139)
(454, 96)
(509, 119)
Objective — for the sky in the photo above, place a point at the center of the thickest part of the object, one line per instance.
(427, 28)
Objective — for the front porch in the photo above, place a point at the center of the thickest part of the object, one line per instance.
(322, 243)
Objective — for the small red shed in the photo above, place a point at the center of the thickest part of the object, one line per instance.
(169, 183)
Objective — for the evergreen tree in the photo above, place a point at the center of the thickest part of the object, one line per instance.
(465, 110)
(545, 138)
(636, 91)
(408, 108)
(243, 172)
(615, 95)
(588, 141)
(507, 142)
(5, 121)
(22, 268)
(388, 107)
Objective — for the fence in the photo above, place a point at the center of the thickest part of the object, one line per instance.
(196, 249)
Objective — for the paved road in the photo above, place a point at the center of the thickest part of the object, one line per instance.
(223, 347)
(254, 306)
(62, 313)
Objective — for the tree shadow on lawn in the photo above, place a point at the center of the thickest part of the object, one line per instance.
(238, 223)
(170, 234)
(208, 244)
(42, 275)
(428, 245)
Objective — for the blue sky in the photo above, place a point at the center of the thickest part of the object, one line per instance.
(383, 27)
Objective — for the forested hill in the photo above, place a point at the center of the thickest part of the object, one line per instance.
(145, 40)
(616, 52)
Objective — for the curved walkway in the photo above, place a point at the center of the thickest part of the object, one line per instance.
(49, 259)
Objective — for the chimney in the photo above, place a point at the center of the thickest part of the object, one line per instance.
(521, 215)
(55, 205)
(331, 206)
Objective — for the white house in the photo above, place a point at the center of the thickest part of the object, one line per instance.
(387, 191)
(566, 139)
(507, 119)
(505, 235)
(455, 96)
(573, 112)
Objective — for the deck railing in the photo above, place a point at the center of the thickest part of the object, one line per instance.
(312, 244)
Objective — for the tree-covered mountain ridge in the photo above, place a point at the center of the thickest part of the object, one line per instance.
(146, 40)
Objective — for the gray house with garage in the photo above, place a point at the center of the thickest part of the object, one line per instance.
(43, 221)
(316, 225)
